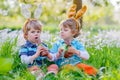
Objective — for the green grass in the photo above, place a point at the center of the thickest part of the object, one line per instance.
(98, 27)
(10, 27)
(107, 57)
(53, 28)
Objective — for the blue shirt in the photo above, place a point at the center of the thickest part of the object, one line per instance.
(30, 49)
(71, 60)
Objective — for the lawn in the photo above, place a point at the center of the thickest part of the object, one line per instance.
(103, 54)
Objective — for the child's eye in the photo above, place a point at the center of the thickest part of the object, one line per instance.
(32, 31)
(65, 30)
(38, 31)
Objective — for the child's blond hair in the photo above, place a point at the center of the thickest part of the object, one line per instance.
(73, 25)
(72, 21)
(31, 23)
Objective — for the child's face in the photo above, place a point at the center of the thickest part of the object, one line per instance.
(66, 33)
(33, 35)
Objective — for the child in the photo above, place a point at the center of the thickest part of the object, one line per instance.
(34, 52)
(74, 51)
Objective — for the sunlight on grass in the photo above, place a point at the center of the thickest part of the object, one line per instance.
(107, 57)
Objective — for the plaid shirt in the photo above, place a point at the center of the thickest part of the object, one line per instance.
(30, 49)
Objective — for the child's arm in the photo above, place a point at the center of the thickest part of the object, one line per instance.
(26, 59)
(23, 55)
(47, 54)
(29, 59)
(82, 54)
(53, 57)
(56, 50)
(59, 53)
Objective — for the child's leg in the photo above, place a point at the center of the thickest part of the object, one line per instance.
(53, 68)
(33, 68)
(37, 72)
(87, 69)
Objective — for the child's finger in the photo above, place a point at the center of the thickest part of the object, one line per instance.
(40, 47)
(43, 48)
(60, 50)
(44, 54)
(68, 54)
(71, 50)
(41, 51)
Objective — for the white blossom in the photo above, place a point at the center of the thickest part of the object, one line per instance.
(103, 38)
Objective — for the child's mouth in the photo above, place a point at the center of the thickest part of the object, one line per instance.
(62, 35)
(36, 37)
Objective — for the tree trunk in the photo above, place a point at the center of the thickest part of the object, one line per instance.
(79, 6)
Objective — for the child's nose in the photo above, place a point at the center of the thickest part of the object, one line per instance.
(61, 31)
(36, 33)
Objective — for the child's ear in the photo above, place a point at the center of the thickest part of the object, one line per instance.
(74, 33)
(25, 36)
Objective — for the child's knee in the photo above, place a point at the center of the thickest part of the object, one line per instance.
(53, 69)
(53, 66)
(33, 68)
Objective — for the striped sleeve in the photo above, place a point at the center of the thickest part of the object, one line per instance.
(83, 52)
(23, 51)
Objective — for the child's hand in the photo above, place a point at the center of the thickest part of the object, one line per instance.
(39, 50)
(69, 52)
(59, 52)
(44, 52)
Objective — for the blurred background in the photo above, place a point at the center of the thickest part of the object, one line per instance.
(100, 15)
(100, 23)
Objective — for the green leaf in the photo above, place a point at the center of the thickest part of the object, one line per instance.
(6, 65)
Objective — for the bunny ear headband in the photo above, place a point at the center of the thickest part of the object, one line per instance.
(27, 14)
(76, 15)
